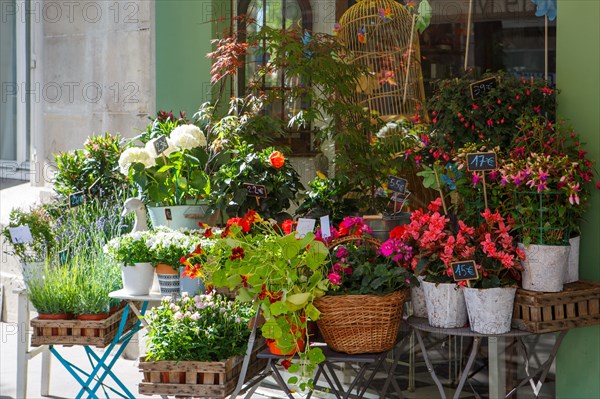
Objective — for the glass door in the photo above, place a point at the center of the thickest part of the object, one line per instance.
(13, 82)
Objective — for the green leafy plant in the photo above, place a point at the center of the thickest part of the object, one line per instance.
(129, 248)
(177, 175)
(51, 288)
(267, 168)
(326, 196)
(457, 119)
(41, 226)
(204, 328)
(95, 165)
(281, 273)
(95, 278)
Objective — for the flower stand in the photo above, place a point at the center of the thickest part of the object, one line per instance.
(197, 379)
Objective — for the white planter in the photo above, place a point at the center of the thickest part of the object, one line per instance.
(490, 309)
(573, 268)
(137, 280)
(417, 300)
(544, 267)
(188, 216)
(445, 305)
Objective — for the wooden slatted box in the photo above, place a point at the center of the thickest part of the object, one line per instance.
(198, 379)
(78, 332)
(578, 305)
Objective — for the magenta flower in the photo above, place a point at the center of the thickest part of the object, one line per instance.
(334, 278)
(341, 252)
(475, 179)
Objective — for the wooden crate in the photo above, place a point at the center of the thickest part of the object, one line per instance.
(197, 379)
(578, 305)
(78, 332)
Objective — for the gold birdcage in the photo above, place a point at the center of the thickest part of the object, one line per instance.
(381, 36)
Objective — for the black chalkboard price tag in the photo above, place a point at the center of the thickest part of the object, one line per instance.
(465, 270)
(482, 161)
(160, 145)
(256, 190)
(397, 184)
(76, 199)
(482, 87)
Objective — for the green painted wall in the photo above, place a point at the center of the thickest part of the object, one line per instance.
(183, 34)
(578, 78)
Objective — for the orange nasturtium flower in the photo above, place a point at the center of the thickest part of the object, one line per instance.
(277, 159)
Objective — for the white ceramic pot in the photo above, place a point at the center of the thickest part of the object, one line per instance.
(544, 267)
(417, 299)
(178, 216)
(445, 305)
(137, 279)
(573, 268)
(490, 309)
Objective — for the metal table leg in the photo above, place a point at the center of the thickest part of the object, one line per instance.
(429, 365)
(465, 372)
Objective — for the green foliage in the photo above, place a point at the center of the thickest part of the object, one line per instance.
(326, 197)
(51, 288)
(488, 120)
(96, 164)
(130, 248)
(250, 166)
(41, 226)
(202, 328)
(95, 277)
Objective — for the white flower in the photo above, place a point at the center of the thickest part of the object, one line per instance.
(187, 137)
(133, 155)
(195, 316)
(178, 315)
(152, 150)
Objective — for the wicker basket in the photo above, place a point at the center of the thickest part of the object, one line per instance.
(361, 323)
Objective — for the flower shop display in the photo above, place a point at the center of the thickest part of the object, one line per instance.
(281, 273)
(551, 178)
(178, 174)
(196, 346)
(261, 180)
(361, 312)
(132, 252)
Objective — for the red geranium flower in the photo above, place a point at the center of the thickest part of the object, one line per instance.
(277, 159)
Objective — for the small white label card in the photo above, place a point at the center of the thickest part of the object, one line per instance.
(305, 226)
(20, 234)
(325, 226)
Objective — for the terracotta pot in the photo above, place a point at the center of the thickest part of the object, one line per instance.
(53, 316)
(93, 317)
(299, 347)
(163, 268)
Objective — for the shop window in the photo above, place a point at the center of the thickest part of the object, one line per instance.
(283, 14)
(505, 35)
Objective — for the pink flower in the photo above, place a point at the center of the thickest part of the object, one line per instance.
(334, 278)
(475, 179)
(341, 252)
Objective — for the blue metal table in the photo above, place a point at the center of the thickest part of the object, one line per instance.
(101, 364)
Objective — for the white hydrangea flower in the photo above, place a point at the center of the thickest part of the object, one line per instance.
(133, 155)
(187, 137)
(152, 150)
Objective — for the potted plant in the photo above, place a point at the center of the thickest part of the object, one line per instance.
(326, 196)
(132, 252)
(52, 291)
(362, 310)
(179, 175)
(167, 247)
(551, 179)
(206, 335)
(490, 298)
(281, 273)
(266, 169)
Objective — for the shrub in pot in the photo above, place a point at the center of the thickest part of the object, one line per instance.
(132, 252)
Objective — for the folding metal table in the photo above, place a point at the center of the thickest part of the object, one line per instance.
(420, 325)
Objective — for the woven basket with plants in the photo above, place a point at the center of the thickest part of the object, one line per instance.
(363, 311)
